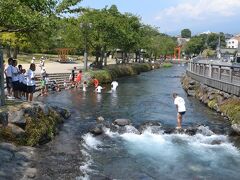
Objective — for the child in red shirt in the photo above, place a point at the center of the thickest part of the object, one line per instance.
(95, 82)
(78, 78)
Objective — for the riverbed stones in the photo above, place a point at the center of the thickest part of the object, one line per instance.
(122, 122)
(30, 173)
(5, 155)
(14, 161)
(100, 119)
(63, 112)
(17, 118)
(98, 130)
(4, 118)
(191, 92)
(153, 126)
(16, 131)
(236, 128)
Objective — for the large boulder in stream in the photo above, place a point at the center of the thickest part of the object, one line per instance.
(121, 122)
(31, 123)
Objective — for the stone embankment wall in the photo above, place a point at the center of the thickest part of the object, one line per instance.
(226, 104)
(30, 124)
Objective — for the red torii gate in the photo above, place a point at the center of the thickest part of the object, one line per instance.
(177, 50)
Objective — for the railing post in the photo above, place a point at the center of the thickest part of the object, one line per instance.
(219, 72)
(210, 71)
(204, 67)
(231, 74)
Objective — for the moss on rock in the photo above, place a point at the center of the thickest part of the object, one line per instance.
(40, 126)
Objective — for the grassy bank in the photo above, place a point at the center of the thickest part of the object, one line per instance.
(231, 108)
(112, 72)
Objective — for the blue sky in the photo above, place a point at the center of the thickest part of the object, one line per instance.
(171, 16)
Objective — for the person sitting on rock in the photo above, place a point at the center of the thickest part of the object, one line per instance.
(55, 86)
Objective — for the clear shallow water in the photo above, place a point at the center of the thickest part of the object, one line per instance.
(75, 154)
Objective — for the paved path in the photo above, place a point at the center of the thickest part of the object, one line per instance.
(56, 67)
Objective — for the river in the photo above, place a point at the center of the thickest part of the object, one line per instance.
(76, 154)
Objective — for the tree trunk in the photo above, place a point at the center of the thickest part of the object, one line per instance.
(2, 94)
(105, 55)
(15, 52)
(8, 51)
(136, 56)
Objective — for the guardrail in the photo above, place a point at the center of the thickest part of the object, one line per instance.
(219, 76)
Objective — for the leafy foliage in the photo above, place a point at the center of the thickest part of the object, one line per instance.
(186, 33)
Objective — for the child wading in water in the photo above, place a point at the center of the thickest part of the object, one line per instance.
(84, 86)
(78, 79)
(99, 89)
(95, 82)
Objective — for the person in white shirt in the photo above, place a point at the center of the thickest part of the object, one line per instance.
(33, 60)
(47, 80)
(114, 85)
(22, 84)
(8, 74)
(41, 64)
(99, 89)
(84, 86)
(181, 109)
(15, 80)
(31, 81)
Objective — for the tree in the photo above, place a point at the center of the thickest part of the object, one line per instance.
(195, 45)
(186, 33)
(25, 16)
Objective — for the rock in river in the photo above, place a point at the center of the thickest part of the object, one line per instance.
(121, 122)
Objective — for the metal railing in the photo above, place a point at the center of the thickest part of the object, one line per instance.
(216, 74)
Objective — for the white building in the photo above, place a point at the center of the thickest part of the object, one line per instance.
(233, 42)
(182, 41)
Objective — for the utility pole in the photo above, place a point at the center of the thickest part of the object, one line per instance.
(2, 94)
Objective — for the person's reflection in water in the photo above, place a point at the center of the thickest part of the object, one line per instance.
(114, 98)
(99, 97)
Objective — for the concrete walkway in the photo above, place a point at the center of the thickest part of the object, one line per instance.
(56, 67)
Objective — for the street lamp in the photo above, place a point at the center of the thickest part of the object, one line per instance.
(85, 27)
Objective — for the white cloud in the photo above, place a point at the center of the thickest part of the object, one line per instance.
(197, 13)
(200, 10)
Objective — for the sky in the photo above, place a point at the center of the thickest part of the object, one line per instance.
(171, 16)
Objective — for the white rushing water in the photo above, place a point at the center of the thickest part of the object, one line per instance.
(202, 156)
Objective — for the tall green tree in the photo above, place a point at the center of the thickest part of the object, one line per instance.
(186, 33)
(195, 45)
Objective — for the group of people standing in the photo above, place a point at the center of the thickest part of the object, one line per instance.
(20, 83)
